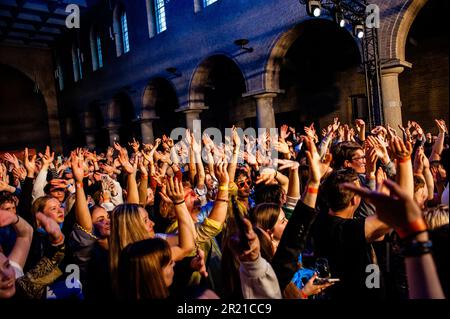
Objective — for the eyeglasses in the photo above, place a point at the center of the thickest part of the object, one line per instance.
(359, 158)
(247, 182)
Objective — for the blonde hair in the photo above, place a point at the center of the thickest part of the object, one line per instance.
(436, 217)
(38, 206)
(141, 270)
(126, 227)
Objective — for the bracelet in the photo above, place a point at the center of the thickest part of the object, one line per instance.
(417, 248)
(223, 188)
(17, 221)
(404, 159)
(178, 203)
(313, 190)
(59, 240)
(79, 185)
(222, 200)
(413, 228)
(302, 293)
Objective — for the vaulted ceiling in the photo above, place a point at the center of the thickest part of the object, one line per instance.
(35, 23)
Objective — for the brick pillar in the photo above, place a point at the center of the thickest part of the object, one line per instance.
(392, 104)
(264, 110)
(191, 116)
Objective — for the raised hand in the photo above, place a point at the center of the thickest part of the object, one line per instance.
(441, 126)
(360, 125)
(222, 172)
(19, 173)
(51, 227)
(47, 157)
(313, 158)
(284, 134)
(400, 151)
(236, 138)
(292, 165)
(381, 150)
(123, 159)
(6, 217)
(30, 164)
(310, 131)
(175, 190)
(11, 159)
(397, 210)
(134, 145)
(336, 124)
(281, 146)
(77, 167)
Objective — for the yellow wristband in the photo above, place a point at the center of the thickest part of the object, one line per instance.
(223, 188)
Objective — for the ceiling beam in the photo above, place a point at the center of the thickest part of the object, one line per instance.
(26, 40)
(4, 30)
(33, 11)
(9, 20)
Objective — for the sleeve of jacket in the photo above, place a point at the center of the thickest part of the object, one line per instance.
(258, 280)
(33, 284)
(24, 207)
(39, 184)
(293, 243)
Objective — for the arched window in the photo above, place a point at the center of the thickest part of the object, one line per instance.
(76, 64)
(156, 16)
(124, 24)
(96, 49)
(121, 30)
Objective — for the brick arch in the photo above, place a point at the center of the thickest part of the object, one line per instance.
(200, 76)
(280, 47)
(397, 17)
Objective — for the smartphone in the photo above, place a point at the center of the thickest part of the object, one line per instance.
(321, 281)
(240, 225)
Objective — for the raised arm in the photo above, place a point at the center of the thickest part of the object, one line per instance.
(219, 211)
(402, 153)
(294, 180)
(400, 212)
(236, 147)
(439, 144)
(24, 235)
(132, 189)
(186, 242)
(39, 184)
(82, 215)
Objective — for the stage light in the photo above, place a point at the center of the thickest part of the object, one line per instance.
(359, 31)
(339, 17)
(313, 8)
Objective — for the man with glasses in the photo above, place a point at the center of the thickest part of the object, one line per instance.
(244, 184)
(351, 155)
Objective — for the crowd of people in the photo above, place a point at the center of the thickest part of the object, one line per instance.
(345, 212)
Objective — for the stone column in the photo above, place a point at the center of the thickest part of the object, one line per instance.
(147, 131)
(146, 122)
(89, 129)
(191, 115)
(264, 110)
(392, 104)
(113, 130)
